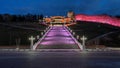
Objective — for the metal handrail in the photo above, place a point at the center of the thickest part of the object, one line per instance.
(79, 44)
(37, 43)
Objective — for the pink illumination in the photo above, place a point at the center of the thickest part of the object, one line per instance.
(58, 37)
(99, 18)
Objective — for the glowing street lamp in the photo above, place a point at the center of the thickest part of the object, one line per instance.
(38, 36)
(47, 28)
(73, 33)
(51, 24)
(41, 33)
(18, 43)
(44, 30)
(32, 41)
(77, 36)
(83, 41)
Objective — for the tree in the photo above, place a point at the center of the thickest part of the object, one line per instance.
(7, 18)
(14, 18)
(1, 18)
(41, 17)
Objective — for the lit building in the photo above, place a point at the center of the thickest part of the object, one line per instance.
(70, 14)
(60, 19)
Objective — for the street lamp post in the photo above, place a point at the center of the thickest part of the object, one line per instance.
(44, 31)
(51, 23)
(73, 33)
(38, 36)
(83, 41)
(32, 41)
(41, 33)
(77, 37)
(17, 43)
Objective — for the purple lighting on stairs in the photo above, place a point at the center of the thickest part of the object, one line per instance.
(59, 38)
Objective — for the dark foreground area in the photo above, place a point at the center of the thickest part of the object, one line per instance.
(19, 33)
(75, 59)
(97, 34)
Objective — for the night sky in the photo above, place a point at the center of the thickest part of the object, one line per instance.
(60, 7)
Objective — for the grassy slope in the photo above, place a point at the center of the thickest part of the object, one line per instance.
(8, 34)
(93, 30)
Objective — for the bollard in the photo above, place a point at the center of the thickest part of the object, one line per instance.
(73, 33)
(78, 37)
(38, 36)
(41, 33)
(44, 31)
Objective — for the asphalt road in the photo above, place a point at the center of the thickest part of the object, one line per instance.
(75, 59)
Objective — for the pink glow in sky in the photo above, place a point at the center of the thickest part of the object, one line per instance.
(99, 18)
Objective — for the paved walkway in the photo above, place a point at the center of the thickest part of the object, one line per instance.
(58, 38)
